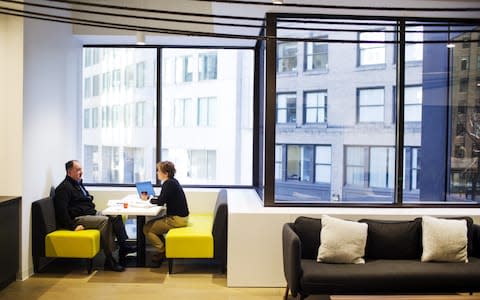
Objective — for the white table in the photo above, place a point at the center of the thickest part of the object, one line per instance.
(140, 209)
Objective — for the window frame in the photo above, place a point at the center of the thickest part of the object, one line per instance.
(359, 106)
(313, 54)
(282, 163)
(292, 57)
(286, 108)
(267, 192)
(316, 108)
(205, 58)
(360, 50)
(117, 82)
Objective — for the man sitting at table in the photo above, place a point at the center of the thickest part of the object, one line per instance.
(75, 210)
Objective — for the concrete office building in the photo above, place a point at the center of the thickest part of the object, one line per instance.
(339, 99)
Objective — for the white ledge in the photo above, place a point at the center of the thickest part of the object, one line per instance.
(248, 201)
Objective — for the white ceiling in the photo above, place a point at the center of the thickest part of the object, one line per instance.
(91, 35)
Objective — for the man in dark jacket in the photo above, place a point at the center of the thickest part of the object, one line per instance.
(75, 210)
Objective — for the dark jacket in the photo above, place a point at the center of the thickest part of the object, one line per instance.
(172, 194)
(70, 202)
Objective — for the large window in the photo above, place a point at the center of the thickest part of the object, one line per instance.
(401, 120)
(206, 125)
(207, 121)
(119, 150)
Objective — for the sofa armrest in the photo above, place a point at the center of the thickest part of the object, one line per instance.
(476, 240)
(292, 251)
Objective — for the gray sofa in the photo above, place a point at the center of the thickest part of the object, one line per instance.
(392, 266)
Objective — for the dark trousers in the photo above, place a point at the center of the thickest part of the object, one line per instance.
(108, 227)
(118, 229)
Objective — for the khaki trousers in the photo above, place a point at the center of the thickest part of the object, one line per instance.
(157, 227)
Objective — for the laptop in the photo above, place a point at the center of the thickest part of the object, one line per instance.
(145, 186)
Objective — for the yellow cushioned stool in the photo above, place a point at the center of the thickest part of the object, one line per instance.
(51, 241)
(193, 241)
(74, 244)
(205, 236)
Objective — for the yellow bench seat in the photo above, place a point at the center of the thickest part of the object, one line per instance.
(73, 244)
(193, 241)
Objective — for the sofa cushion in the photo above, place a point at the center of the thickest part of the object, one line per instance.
(342, 241)
(308, 230)
(469, 220)
(444, 240)
(389, 277)
(393, 239)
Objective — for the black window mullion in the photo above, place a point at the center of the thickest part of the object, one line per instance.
(159, 108)
(270, 107)
(400, 105)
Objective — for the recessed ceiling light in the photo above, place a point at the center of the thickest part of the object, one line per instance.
(277, 1)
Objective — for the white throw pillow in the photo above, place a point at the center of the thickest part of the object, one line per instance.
(342, 241)
(444, 240)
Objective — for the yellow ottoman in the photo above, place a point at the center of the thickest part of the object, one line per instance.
(74, 244)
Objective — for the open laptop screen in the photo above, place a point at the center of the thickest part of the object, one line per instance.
(145, 186)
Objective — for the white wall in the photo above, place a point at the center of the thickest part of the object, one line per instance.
(52, 78)
(11, 93)
(200, 200)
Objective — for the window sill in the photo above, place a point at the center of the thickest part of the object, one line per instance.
(322, 125)
(287, 74)
(371, 67)
(315, 72)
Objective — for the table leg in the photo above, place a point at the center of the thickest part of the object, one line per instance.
(140, 242)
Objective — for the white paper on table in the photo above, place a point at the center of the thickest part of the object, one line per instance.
(142, 204)
(115, 202)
